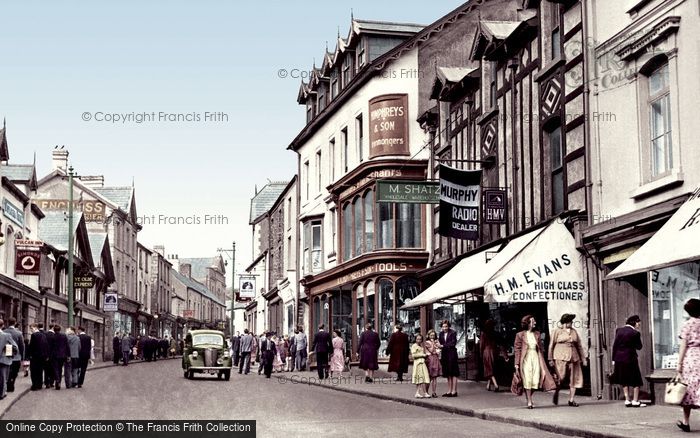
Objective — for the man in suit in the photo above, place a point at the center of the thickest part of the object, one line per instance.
(38, 355)
(8, 350)
(84, 356)
(116, 349)
(236, 348)
(61, 355)
(19, 357)
(49, 378)
(246, 347)
(268, 350)
(126, 348)
(73, 362)
(322, 347)
(301, 343)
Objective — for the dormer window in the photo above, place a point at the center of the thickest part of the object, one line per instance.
(334, 84)
(361, 56)
(347, 71)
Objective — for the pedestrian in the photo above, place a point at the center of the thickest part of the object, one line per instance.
(17, 358)
(126, 349)
(432, 360)
(246, 346)
(281, 354)
(236, 348)
(164, 344)
(448, 358)
(322, 347)
(38, 355)
(116, 348)
(421, 376)
(292, 356)
(61, 355)
(173, 347)
(49, 379)
(337, 362)
(626, 372)
(567, 356)
(489, 345)
(301, 344)
(254, 350)
(259, 355)
(73, 367)
(84, 355)
(529, 360)
(8, 350)
(689, 362)
(368, 349)
(398, 349)
(267, 353)
(140, 351)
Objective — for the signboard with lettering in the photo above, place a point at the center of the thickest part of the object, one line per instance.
(388, 125)
(188, 313)
(408, 192)
(495, 209)
(93, 211)
(111, 302)
(12, 212)
(460, 202)
(28, 257)
(246, 286)
(83, 281)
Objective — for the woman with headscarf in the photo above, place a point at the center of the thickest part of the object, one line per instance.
(567, 356)
(626, 373)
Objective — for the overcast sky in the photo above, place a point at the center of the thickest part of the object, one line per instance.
(66, 61)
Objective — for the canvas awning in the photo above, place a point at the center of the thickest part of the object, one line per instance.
(677, 242)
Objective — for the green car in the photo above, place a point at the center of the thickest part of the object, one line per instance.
(206, 352)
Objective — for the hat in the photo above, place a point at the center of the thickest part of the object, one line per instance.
(567, 318)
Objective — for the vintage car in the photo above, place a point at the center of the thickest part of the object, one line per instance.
(206, 352)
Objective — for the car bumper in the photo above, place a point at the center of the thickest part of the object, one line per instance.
(208, 369)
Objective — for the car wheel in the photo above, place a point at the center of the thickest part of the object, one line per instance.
(227, 375)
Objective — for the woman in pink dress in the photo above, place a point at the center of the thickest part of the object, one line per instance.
(338, 357)
(689, 362)
(432, 360)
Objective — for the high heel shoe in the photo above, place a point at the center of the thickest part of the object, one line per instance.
(682, 426)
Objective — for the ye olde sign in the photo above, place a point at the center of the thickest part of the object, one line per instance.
(410, 192)
(495, 206)
(84, 281)
(93, 211)
(388, 124)
(28, 257)
(460, 200)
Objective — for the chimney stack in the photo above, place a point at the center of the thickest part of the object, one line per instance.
(186, 270)
(93, 181)
(160, 249)
(60, 159)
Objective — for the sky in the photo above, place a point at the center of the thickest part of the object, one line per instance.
(202, 78)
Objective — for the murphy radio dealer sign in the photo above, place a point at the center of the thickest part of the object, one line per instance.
(460, 203)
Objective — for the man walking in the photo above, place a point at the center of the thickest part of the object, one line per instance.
(8, 349)
(73, 362)
(322, 347)
(19, 357)
(268, 350)
(246, 346)
(49, 378)
(116, 348)
(301, 343)
(292, 357)
(261, 364)
(126, 348)
(38, 355)
(84, 355)
(236, 348)
(60, 356)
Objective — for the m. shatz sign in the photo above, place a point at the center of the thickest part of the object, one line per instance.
(411, 192)
(388, 124)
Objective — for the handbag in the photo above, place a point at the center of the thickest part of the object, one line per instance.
(516, 386)
(675, 391)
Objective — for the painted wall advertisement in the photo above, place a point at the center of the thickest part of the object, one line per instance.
(460, 203)
(388, 125)
(93, 211)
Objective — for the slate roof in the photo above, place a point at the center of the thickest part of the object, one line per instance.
(18, 172)
(121, 196)
(265, 199)
(53, 228)
(200, 264)
(197, 286)
(360, 26)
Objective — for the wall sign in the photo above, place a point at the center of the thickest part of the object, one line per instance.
(83, 281)
(28, 257)
(408, 192)
(460, 201)
(12, 212)
(388, 125)
(93, 211)
(495, 207)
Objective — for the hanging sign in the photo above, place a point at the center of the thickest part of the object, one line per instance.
(28, 257)
(495, 202)
(460, 202)
(111, 302)
(246, 287)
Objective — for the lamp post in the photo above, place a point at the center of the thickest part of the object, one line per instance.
(71, 316)
(232, 256)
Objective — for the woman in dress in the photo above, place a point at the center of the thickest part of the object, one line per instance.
(449, 360)
(488, 346)
(421, 378)
(368, 349)
(338, 357)
(628, 340)
(432, 360)
(282, 352)
(689, 362)
(254, 350)
(277, 360)
(567, 356)
(529, 360)
(398, 349)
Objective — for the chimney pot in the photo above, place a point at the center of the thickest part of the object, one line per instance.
(60, 159)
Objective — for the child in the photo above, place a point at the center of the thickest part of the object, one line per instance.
(421, 378)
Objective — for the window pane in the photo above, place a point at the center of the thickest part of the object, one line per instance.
(658, 81)
(386, 313)
(558, 192)
(357, 208)
(359, 293)
(347, 232)
(660, 115)
(407, 290)
(369, 222)
(409, 225)
(386, 223)
(369, 306)
(556, 44)
(555, 147)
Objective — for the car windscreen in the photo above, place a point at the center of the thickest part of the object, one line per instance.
(207, 338)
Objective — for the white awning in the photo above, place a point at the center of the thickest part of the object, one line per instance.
(677, 242)
(473, 272)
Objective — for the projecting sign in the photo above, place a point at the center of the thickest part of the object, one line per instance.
(111, 302)
(246, 287)
(388, 125)
(408, 192)
(495, 206)
(28, 257)
(460, 201)
(188, 313)
(85, 281)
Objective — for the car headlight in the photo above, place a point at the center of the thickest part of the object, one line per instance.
(194, 354)
(220, 362)
(226, 354)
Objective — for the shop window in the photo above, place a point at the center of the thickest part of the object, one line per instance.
(671, 289)
(386, 313)
(369, 221)
(370, 307)
(455, 313)
(347, 232)
(406, 290)
(360, 312)
(386, 225)
(341, 305)
(325, 305)
(358, 225)
(317, 314)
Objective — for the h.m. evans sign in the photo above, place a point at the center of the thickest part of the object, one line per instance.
(388, 125)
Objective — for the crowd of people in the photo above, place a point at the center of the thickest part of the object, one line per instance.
(50, 357)
(149, 348)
